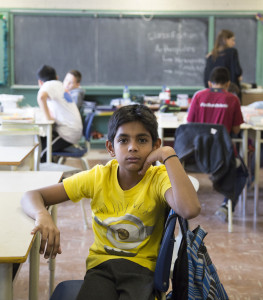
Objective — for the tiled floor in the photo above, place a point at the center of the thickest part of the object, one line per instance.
(238, 256)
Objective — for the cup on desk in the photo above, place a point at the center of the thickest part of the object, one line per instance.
(182, 100)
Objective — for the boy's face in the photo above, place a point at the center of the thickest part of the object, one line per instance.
(70, 82)
(132, 144)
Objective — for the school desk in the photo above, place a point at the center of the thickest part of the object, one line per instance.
(16, 127)
(17, 157)
(46, 130)
(13, 135)
(258, 142)
(16, 239)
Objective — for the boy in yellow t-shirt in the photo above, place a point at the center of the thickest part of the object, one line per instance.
(130, 198)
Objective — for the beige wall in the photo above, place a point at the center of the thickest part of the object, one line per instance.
(137, 5)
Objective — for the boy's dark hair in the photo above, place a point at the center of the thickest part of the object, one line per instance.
(220, 75)
(76, 74)
(46, 73)
(131, 113)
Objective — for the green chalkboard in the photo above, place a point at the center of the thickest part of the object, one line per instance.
(245, 30)
(111, 51)
(3, 49)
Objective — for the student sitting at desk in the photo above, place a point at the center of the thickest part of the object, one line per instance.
(58, 105)
(130, 198)
(71, 84)
(215, 105)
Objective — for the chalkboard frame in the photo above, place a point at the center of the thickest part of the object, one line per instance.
(107, 90)
(3, 49)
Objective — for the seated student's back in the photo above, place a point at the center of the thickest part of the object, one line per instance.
(215, 104)
(58, 105)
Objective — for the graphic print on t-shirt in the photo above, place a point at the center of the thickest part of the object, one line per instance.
(124, 233)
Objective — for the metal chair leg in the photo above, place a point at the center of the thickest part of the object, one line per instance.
(230, 216)
(85, 163)
(61, 160)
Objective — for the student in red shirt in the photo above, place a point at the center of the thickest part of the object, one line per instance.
(215, 105)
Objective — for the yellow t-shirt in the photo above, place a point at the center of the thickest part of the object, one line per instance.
(126, 224)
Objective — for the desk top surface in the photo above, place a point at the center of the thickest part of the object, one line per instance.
(14, 155)
(15, 234)
(24, 116)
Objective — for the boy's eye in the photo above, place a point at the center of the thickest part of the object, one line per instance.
(143, 140)
(122, 140)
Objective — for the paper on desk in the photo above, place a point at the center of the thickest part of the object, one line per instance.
(253, 116)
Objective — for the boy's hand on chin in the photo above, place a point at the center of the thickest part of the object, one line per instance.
(151, 158)
(158, 154)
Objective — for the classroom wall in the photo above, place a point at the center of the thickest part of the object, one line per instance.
(138, 5)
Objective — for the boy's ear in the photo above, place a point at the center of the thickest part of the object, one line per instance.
(210, 84)
(157, 144)
(110, 148)
(40, 82)
(228, 85)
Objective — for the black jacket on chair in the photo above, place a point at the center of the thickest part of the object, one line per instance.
(208, 148)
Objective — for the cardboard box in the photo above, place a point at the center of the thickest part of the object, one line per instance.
(251, 95)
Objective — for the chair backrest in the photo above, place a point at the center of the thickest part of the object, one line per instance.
(88, 125)
(198, 138)
(208, 148)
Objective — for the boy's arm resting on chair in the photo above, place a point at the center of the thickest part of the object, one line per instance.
(34, 204)
(182, 196)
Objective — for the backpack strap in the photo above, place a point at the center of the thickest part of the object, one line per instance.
(164, 259)
(183, 225)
